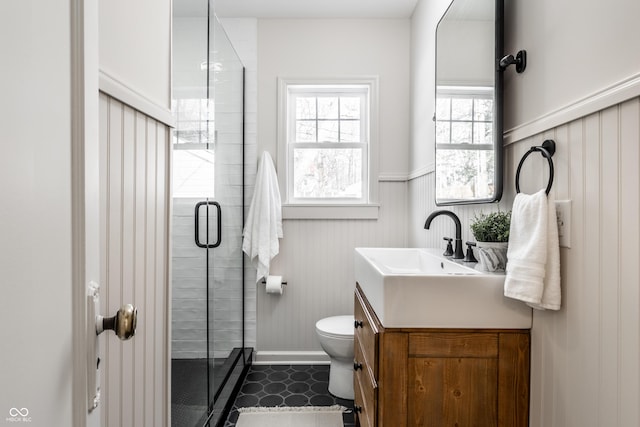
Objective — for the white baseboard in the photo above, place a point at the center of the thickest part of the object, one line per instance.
(290, 358)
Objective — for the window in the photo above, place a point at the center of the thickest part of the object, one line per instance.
(464, 138)
(326, 141)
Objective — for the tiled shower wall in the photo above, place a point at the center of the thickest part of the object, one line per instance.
(190, 280)
(190, 311)
(189, 287)
(189, 284)
(585, 369)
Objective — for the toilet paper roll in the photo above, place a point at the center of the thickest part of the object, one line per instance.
(274, 285)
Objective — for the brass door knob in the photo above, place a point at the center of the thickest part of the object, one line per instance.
(123, 323)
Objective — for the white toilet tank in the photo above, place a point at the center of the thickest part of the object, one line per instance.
(336, 335)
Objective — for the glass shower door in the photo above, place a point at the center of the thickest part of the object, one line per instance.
(193, 164)
(225, 279)
(208, 206)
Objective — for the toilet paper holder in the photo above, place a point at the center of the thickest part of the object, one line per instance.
(264, 282)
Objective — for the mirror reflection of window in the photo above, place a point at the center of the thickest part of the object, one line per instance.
(464, 142)
(467, 112)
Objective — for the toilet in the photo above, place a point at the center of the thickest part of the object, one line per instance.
(336, 338)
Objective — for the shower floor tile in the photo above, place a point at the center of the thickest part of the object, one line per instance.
(189, 390)
(287, 385)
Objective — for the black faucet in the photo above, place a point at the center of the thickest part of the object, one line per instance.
(458, 254)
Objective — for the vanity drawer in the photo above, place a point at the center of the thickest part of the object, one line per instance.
(361, 367)
(365, 395)
(366, 333)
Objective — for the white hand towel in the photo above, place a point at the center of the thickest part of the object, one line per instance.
(533, 267)
(263, 227)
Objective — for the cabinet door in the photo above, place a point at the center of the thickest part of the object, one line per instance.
(449, 391)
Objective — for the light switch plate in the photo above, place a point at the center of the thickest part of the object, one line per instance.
(563, 215)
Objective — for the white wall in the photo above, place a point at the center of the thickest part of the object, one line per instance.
(585, 357)
(316, 256)
(135, 41)
(574, 48)
(35, 193)
(329, 48)
(423, 68)
(189, 52)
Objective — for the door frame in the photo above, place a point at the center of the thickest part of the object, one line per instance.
(85, 213)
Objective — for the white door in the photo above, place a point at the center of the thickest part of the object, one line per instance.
(52, 231)
(134, 241)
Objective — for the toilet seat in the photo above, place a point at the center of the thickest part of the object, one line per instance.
(339, 327)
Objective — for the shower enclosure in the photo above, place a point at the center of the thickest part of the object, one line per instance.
(208, 354)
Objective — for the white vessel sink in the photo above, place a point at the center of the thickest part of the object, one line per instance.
(420, 288)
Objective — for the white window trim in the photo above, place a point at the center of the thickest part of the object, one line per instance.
(342, 210)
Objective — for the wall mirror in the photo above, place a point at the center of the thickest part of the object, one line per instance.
(468, 110)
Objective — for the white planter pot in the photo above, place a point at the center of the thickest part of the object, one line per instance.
(492, 256)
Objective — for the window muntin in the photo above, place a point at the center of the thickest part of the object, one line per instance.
(464, 118)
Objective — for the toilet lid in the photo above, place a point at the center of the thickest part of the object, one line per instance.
(336, 325)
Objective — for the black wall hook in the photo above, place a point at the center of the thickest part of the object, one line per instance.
(520, 60)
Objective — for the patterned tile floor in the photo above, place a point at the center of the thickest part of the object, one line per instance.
(287, 385)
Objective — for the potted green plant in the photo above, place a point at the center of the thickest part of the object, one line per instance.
(491, 232)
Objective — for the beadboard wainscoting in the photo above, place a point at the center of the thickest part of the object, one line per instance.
(134, 234)
(584, 365)
(316, 259)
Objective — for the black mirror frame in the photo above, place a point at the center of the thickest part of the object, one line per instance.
(498, 144)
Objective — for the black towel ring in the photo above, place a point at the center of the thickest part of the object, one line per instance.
(548, 148)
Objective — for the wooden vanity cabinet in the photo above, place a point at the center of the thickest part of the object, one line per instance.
(438, 377)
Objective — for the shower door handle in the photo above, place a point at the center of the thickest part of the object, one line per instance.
(197, 225)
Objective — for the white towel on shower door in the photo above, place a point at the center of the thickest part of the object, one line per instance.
(263, 227)
(533, 257)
